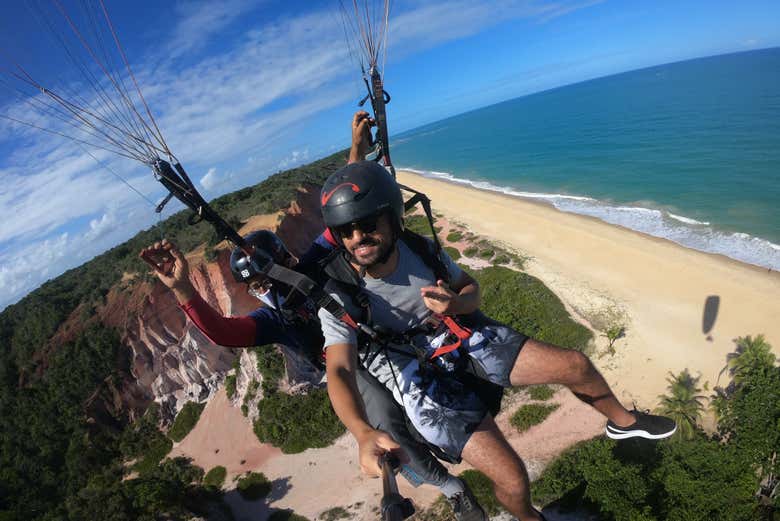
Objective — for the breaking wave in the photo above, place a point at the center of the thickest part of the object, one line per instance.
(685, 231)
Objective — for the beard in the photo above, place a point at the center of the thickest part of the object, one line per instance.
(370, 252)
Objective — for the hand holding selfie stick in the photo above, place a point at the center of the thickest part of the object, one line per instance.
(394, 506)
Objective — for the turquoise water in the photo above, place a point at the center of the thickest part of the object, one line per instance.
(688, 151)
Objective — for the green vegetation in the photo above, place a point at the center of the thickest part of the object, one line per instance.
(541, 392)
(613, 333)
(254, 485)
(527, 305)
(230, 386)
(270, 364)
(419, 224)
(54, 464)
(452, 252)
(482, 488)
(682, 404)
(159, 447)
(334, 514)
(486, 254)
(702, 477)
(251, 394)
(502, 258)
(749, 354)
(470, 251)
(186, 420)
(215, 478)
(454, 236)
(296, 423)
(531, 414)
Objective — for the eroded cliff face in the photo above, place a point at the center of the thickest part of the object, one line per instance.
(163, 357)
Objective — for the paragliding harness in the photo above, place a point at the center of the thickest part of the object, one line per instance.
(449, 358)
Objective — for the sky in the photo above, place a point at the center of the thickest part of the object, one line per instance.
(243, 89)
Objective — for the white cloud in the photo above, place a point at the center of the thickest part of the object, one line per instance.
(252, 99)
(199, 21)
(213, 179)
(295, 158)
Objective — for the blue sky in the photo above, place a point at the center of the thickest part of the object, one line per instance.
(242, 89)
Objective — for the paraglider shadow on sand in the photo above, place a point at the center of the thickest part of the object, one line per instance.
(257, 509)
(710, 314)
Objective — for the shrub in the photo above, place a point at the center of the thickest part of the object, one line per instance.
(334, 514)
(215, 478)
(254, 486)
(531, 414)
(296, 423)
(502, 258)
(418, 224)
(613, 333)
(230, 386)
(486, 254)
(482, 488)
(270, 364)
(454, 236)
(470, 251)
(158, 449)
(525, 304)
(632, 480)
(452, 252)
(251, 393)
(541, 392)
(185, 420)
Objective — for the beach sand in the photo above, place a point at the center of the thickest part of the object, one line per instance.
(604, 274)
(657, 288)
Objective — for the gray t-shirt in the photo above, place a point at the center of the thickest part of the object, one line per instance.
(395, 301)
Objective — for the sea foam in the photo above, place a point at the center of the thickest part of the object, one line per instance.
(685, 231)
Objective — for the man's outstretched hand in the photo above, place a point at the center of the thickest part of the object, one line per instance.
(372, 446)
(361, 136)
(170, 266)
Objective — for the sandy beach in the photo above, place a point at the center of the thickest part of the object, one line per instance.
(657, 288)
(604, 274)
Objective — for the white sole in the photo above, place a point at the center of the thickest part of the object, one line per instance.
(617, 434)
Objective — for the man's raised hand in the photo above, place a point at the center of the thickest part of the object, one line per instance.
(170, 266)
(361, 136)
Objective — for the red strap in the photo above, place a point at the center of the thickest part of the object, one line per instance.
(329, 237)
(461, 332)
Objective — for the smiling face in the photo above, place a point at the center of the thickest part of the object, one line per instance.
(369, 240)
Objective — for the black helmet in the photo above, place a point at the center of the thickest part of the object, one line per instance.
(360, 190)
(268, 247)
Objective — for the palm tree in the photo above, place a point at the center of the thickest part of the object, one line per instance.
(682, 403)
(750, 354)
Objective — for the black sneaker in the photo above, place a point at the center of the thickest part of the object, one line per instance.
(465, 506)
(646, 426)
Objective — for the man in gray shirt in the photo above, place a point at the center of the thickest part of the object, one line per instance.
(363, 207)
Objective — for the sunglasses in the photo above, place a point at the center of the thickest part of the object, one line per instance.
(365, 225)
(258, 288)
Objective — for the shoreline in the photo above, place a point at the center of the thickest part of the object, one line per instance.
(681, 222)
(655, 286)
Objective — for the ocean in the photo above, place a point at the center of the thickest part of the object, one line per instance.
(687, 151)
